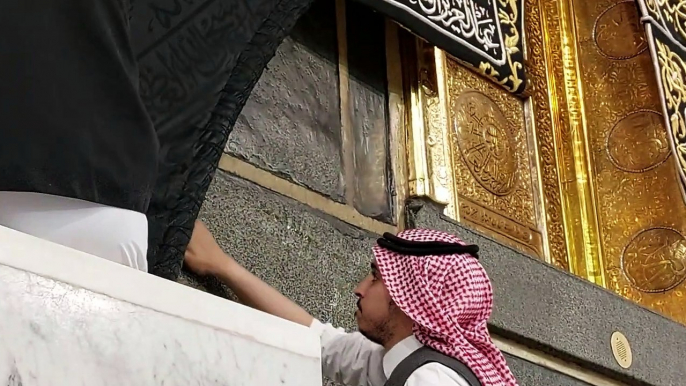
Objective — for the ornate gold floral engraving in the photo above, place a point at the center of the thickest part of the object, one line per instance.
(578, 173)
(492, 155)
(550, 124)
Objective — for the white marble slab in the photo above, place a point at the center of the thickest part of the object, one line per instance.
(67, 318)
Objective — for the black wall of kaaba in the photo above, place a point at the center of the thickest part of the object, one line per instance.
(199, 61)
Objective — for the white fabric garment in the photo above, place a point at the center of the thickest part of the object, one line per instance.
(353, 360)
(115, 234)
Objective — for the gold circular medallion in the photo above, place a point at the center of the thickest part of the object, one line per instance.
(485, 142)
(618, 32)
(483, 137)
(638, 142)
(655, 260)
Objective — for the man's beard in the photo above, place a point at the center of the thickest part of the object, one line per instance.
(380, 333)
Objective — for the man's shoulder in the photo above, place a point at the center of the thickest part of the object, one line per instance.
(435, 374)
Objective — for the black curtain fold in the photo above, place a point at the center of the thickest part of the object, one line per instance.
(199, 61)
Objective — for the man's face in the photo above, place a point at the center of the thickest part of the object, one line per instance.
(375, 309)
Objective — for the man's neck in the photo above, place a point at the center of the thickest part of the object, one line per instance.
(401, 350)
(397, 338)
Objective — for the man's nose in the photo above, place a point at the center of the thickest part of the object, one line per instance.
(362, 286)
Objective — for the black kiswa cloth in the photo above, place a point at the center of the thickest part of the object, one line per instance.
(425, 248)
(72, 122)
(199, 61)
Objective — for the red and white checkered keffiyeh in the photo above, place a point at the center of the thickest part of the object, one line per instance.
(449, 297)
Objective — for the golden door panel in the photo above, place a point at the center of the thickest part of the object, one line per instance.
(491, 158)
(642, 218)
(579, 173)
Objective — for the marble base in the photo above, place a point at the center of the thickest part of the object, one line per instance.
(72, 319)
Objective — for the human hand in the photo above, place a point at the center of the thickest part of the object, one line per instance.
(203, 255)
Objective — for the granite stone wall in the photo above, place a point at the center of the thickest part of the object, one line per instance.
(531, 374)
(312, 257)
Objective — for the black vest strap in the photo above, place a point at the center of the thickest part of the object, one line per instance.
(426, 355)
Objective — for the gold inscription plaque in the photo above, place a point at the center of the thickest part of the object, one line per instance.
(638, 142)
(521, 236)
(618, 32)
(655, 260)
(487, 154)
(491, 159)
(483, 137)
(551, 126)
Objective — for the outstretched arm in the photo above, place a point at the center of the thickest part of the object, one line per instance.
(205, 257)
(347, 358)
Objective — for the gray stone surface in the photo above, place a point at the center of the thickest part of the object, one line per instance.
(291, 123)
(369, 111)
(530, 374)
(313, 258)
(571, 318)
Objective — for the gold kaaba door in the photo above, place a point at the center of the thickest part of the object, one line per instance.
(579, 171)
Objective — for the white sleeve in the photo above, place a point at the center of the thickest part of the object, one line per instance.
(350, 358)
(435, 374)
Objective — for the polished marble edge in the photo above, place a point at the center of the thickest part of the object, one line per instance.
(47, 259)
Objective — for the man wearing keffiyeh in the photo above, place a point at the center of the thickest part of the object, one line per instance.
(422, 313)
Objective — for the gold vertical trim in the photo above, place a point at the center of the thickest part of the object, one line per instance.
(418, 168)
(537, 169)
(582, 216)
(545, 106)
(428, 147)
(445, 190)
(347, 133)
(559, 129)
(397, 124)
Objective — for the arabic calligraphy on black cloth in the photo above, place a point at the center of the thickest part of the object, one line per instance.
(485, 34)
(664, 23)
(476, 25)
